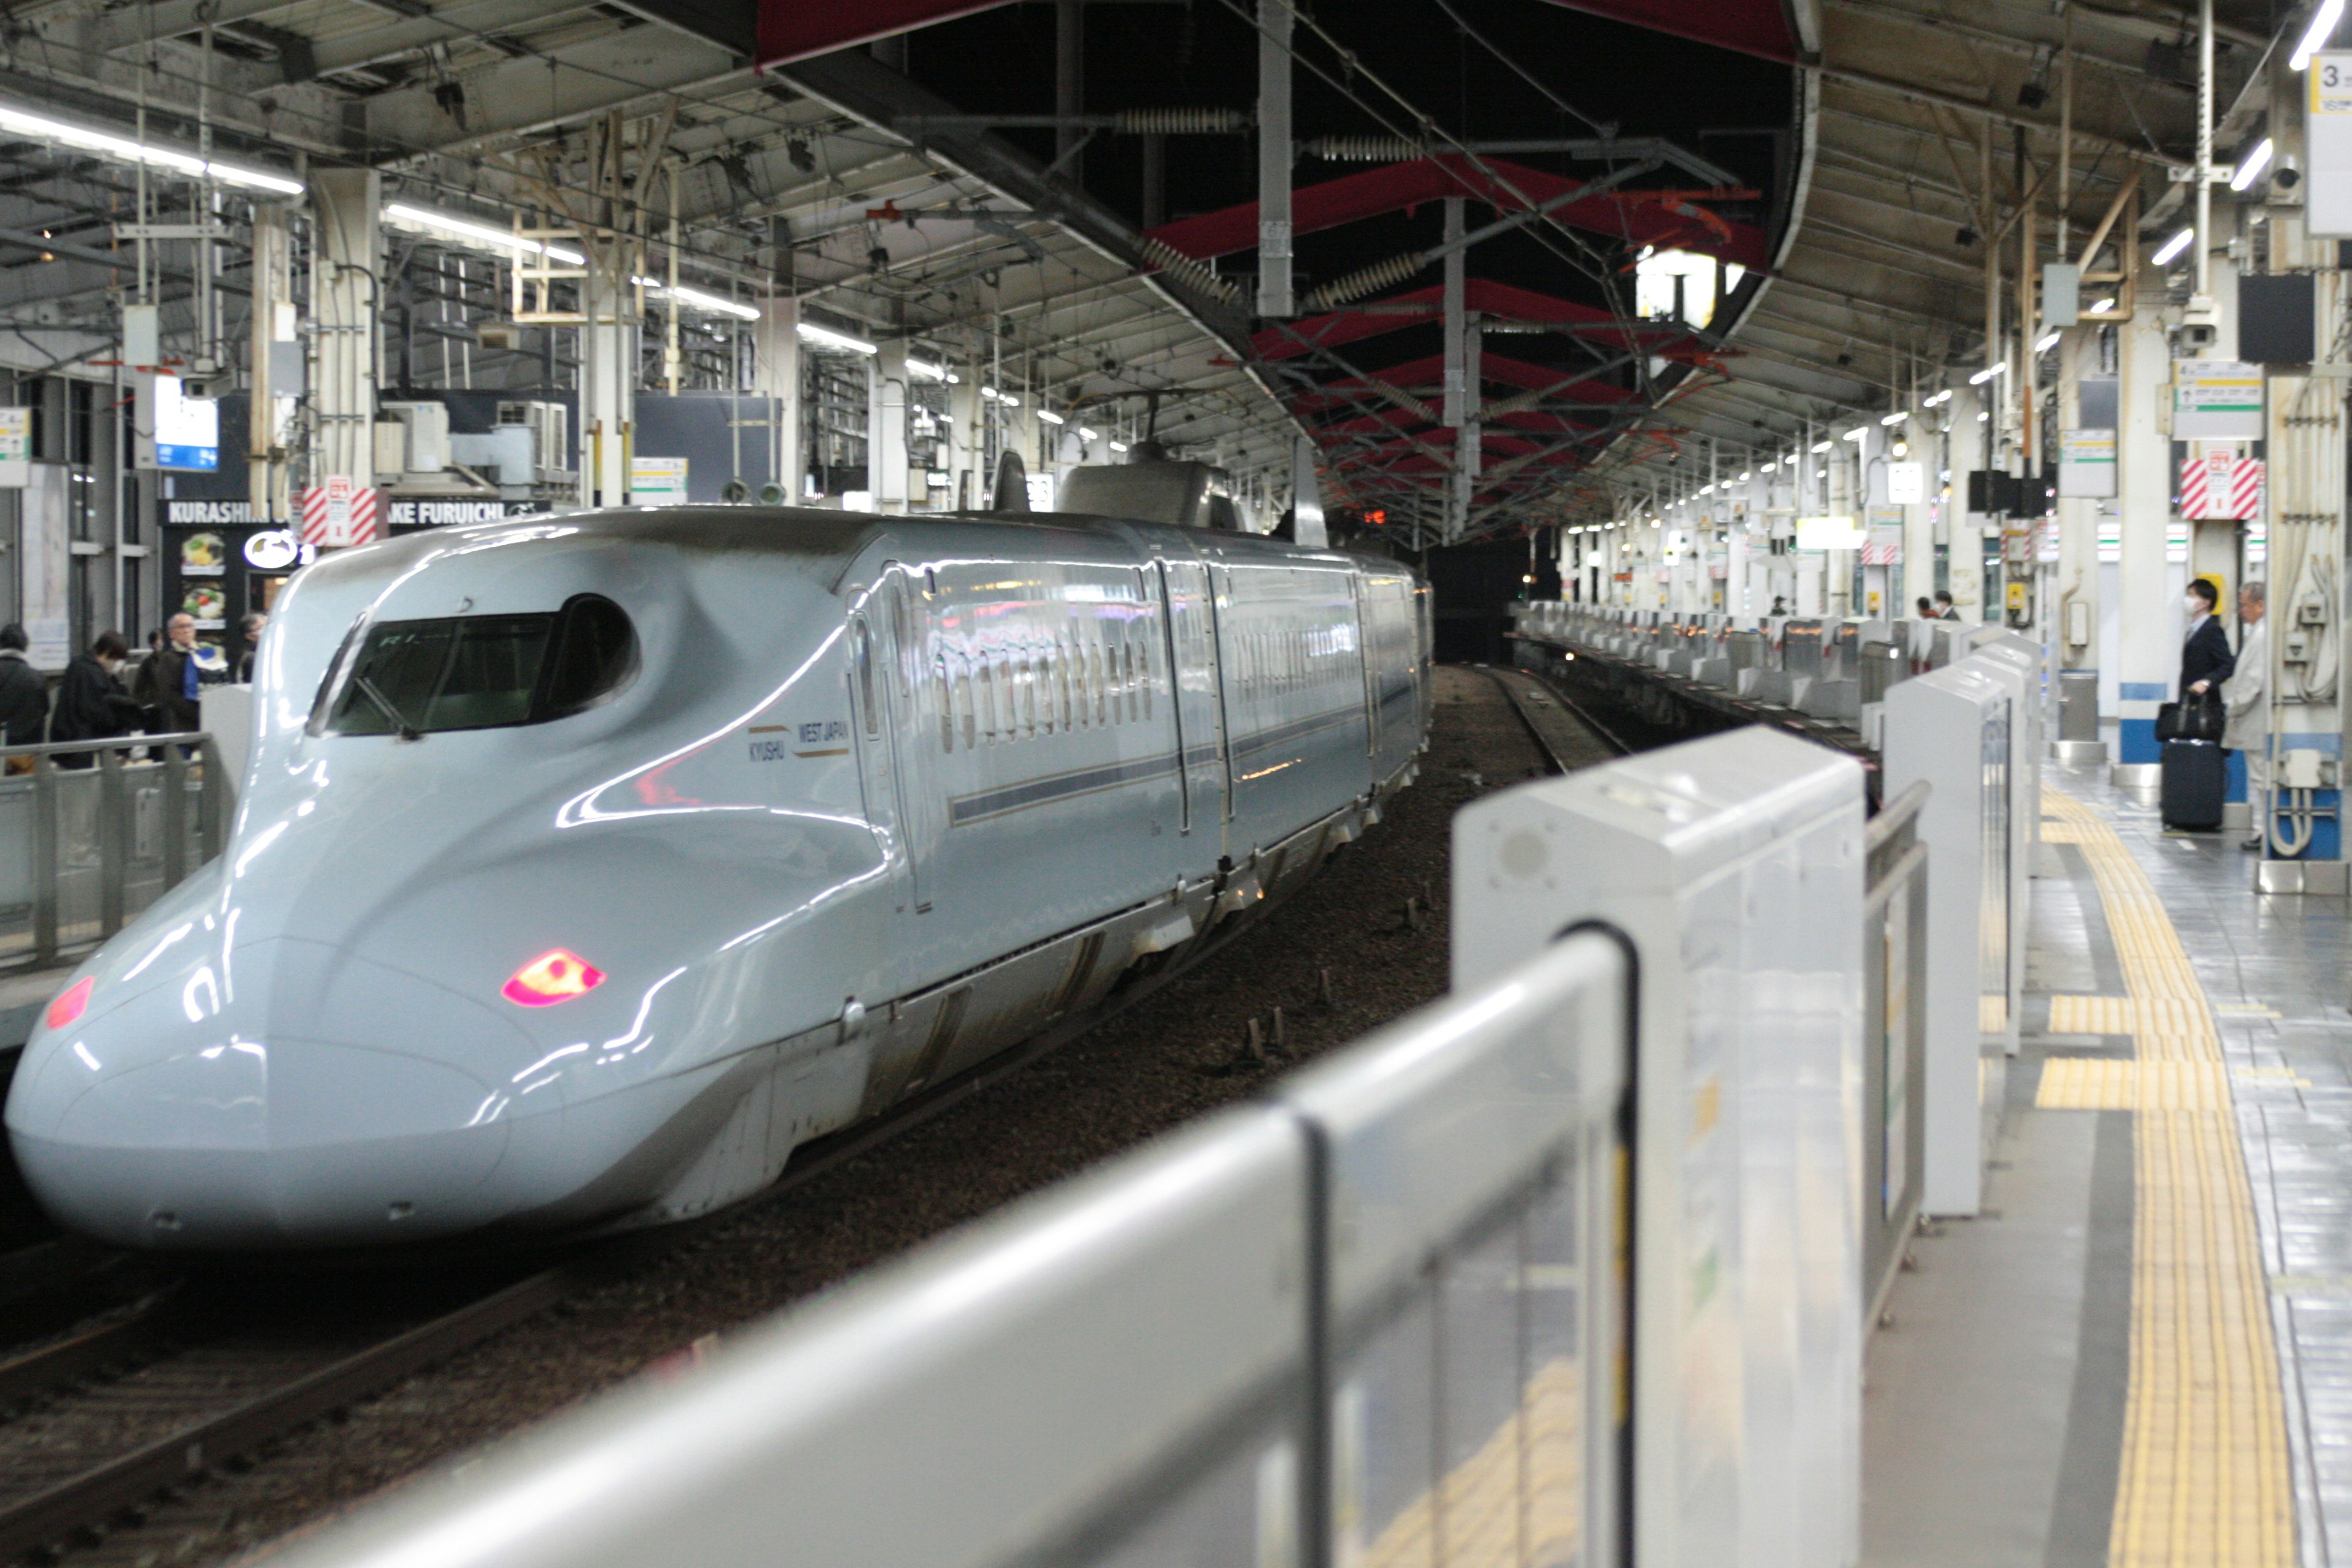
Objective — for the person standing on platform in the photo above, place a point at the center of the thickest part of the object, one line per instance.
(253, 623)
(2247, 697)
(1944, 609)
(92, 704)
(167, 681)
(2206, 660)
(1927, 609)
(24, 696)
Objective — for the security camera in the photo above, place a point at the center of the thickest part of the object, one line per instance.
(2287, 175)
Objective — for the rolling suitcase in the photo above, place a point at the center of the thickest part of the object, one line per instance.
(2196, 777)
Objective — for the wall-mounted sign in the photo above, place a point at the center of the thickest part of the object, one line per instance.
(1906, 483)
(340, 512)
(2328, 145)
(188, 429)
(15, 448)
(272, 550)
(2217, 399)
(1829, 533)
(657, 482)
(2086, 464)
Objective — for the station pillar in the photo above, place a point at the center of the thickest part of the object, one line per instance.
(2150, 643)
(886, 436)
(608, 370)
(347, 263)
(2074, 609)
(776, 375)
(1973, 413)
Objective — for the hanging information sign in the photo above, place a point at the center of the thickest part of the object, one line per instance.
(2217, 399)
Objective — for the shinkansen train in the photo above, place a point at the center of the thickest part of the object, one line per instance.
(586, 866)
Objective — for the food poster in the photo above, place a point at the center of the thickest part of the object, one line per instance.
(219, 572)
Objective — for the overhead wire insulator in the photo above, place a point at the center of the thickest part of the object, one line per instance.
(1364, 280)
(1185, 270)
(1182, 121)
(1361, 149)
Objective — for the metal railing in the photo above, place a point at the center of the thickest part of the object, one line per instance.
(83, 849)
(1376, 1319)
(1895, 1038)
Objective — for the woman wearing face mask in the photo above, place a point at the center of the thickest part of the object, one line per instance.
(2206, 660)
(92, 704)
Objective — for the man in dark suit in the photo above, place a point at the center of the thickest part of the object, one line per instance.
(2205, 658)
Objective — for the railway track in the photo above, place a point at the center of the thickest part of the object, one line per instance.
(1568, 737)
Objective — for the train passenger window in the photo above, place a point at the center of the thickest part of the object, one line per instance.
(964, 704)
(1062, 682)
(987, 704)
(479, 672)
(1127, 662)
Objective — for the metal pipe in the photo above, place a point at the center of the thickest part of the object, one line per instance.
(2203, 241)
(1274, 18)
(1069, 84)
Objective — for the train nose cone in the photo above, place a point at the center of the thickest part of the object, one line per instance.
(253, 1144)
(148, 1129)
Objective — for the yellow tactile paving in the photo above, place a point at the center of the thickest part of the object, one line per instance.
(2204, 1475)
(1517, 1500)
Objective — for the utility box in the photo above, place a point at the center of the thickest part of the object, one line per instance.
(1735, 868)
(1951, 729)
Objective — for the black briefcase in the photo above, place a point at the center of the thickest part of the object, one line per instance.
(2196, 718)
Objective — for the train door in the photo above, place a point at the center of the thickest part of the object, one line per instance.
(1192, 624)
(877, 751)
(1368, 664)
(914, 698)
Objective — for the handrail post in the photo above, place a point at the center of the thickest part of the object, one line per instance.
(45, 860)
(114, 840)
(174, 816)
(216, 802)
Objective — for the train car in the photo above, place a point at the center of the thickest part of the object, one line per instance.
(585, 866)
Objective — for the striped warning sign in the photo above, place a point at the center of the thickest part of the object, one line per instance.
(2218, 485)
(338, 514)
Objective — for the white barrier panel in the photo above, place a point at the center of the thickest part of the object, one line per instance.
(1952, 728)
(1735, 864)
(1383, 1310)
(2018, 661)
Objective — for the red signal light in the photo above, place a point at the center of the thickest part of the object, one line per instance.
(70, 1002)
(556, 976)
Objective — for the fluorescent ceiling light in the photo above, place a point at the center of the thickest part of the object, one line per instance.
(2104, 306)
(1891, 420)
(2173, 246)
(825, 337)
(1049, 417)
(1999, 368)
(2252, 168)
(1938, 400)
(2322, 25)
(935, 372)
(1770, 466)
(699, 299)
(481, 232)
(1118, 445)
(41, 127)
(2045, 342)
(1821, 446)
(1009, 401)
(1859, 432)
(1744, 477)
(1087, 435)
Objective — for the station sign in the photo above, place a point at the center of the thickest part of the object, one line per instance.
(2328, 145)
(2216, 400)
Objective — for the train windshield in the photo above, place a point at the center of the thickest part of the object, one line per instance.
(481, 672)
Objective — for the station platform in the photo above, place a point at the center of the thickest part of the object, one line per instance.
(2140, 1351)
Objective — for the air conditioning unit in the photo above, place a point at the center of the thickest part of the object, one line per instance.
(428, 435)
(550, 424)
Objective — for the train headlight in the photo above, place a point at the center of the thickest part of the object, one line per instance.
(70, 1002)
(556, 976)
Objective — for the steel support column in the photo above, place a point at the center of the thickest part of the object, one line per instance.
(347, 262)
(2150, 618)
(1274, 18)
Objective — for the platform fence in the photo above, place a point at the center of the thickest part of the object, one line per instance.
(91, 832)
(1377, 1319)
(1895, 1038)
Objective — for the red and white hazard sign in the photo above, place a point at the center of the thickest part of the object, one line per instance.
(2218, 485)
(340, 512)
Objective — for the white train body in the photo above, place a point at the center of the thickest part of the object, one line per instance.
(843, 806)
